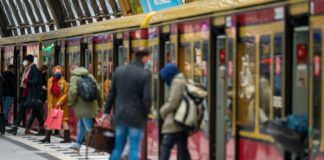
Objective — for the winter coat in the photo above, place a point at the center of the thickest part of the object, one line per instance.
(9, 84)
(177, 88)
(34, 83)
(62, 99)
(83, 108)
(130, 95)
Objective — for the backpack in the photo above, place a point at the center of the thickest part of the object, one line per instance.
(87, 89)
(190, 112)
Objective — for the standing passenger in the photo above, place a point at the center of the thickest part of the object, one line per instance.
(85, 109)
(57, 94)
(173, 133)
(130, 98)
(30, 83)
(9, 90)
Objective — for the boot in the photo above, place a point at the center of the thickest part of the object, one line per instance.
(47, 138)
(27, 132)
(13, 130)
(41, 132)
(67, 138)
(56, 132)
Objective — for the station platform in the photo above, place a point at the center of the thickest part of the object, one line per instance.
(29, 148)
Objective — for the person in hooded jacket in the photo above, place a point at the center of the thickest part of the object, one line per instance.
(172, 132)
(86, 111)
(57, 95)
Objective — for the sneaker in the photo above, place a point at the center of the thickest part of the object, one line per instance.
(28, 132)
(75, 148)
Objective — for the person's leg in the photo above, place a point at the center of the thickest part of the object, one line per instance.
(31, 119)
(183, 152)
(40, 117)
(135, 136)
(80, 134)
(20, 117)
(121, 133)
(168, 142)
(7, 102)
(21, 114)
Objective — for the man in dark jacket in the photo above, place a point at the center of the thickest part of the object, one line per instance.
(8, 90)
(31, 83)
(130, 98)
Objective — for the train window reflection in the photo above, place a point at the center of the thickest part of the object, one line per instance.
(246, 88)
(264, 79)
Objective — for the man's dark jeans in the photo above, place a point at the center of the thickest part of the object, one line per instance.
(36, 113)
(168, 142)
(39, 114)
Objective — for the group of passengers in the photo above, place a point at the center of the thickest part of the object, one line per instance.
(129, 98)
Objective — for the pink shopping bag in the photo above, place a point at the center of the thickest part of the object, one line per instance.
(54, 119)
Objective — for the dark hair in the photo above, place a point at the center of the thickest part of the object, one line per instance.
(29, 58)
(44, 67)
(11, 66)
(141, 53)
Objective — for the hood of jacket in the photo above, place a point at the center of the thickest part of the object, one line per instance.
(80, 71)
(168, 73)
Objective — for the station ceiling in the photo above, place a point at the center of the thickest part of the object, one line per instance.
(21, 17)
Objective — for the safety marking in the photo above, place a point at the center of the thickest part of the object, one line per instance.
(57, 149)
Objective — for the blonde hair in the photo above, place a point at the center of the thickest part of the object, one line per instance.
(57, 67)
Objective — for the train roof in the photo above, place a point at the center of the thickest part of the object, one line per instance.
(185, 11)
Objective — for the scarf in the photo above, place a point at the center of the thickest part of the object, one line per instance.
(25, 76)
(55, 90)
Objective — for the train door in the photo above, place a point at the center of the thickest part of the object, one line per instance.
(73, 54)
(316, 98)
(260, 72)
(85, 56)
(300, 71)
(154, 67)
(221, 108)
(103, 50)
(230, 90)
(194, 63)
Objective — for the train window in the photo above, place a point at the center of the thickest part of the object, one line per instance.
(99, 65)
(278, 76)
(8, 56)
(264, 78)
(48, 50)
(120, 54)
(198, 63)
(185, 63)
(246, 88)
(317, 86)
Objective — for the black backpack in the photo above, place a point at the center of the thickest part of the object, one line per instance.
(87, 89)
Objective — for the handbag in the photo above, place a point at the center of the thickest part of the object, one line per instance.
(54, 119)
(101, 138)
(33, 100)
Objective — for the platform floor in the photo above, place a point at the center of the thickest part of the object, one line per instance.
(22, 147)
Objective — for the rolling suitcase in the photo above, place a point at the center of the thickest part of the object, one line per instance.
(2, 123)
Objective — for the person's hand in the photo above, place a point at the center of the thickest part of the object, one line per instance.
(103, 118)
(58, 105)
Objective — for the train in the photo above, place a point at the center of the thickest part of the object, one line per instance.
(259, 60)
